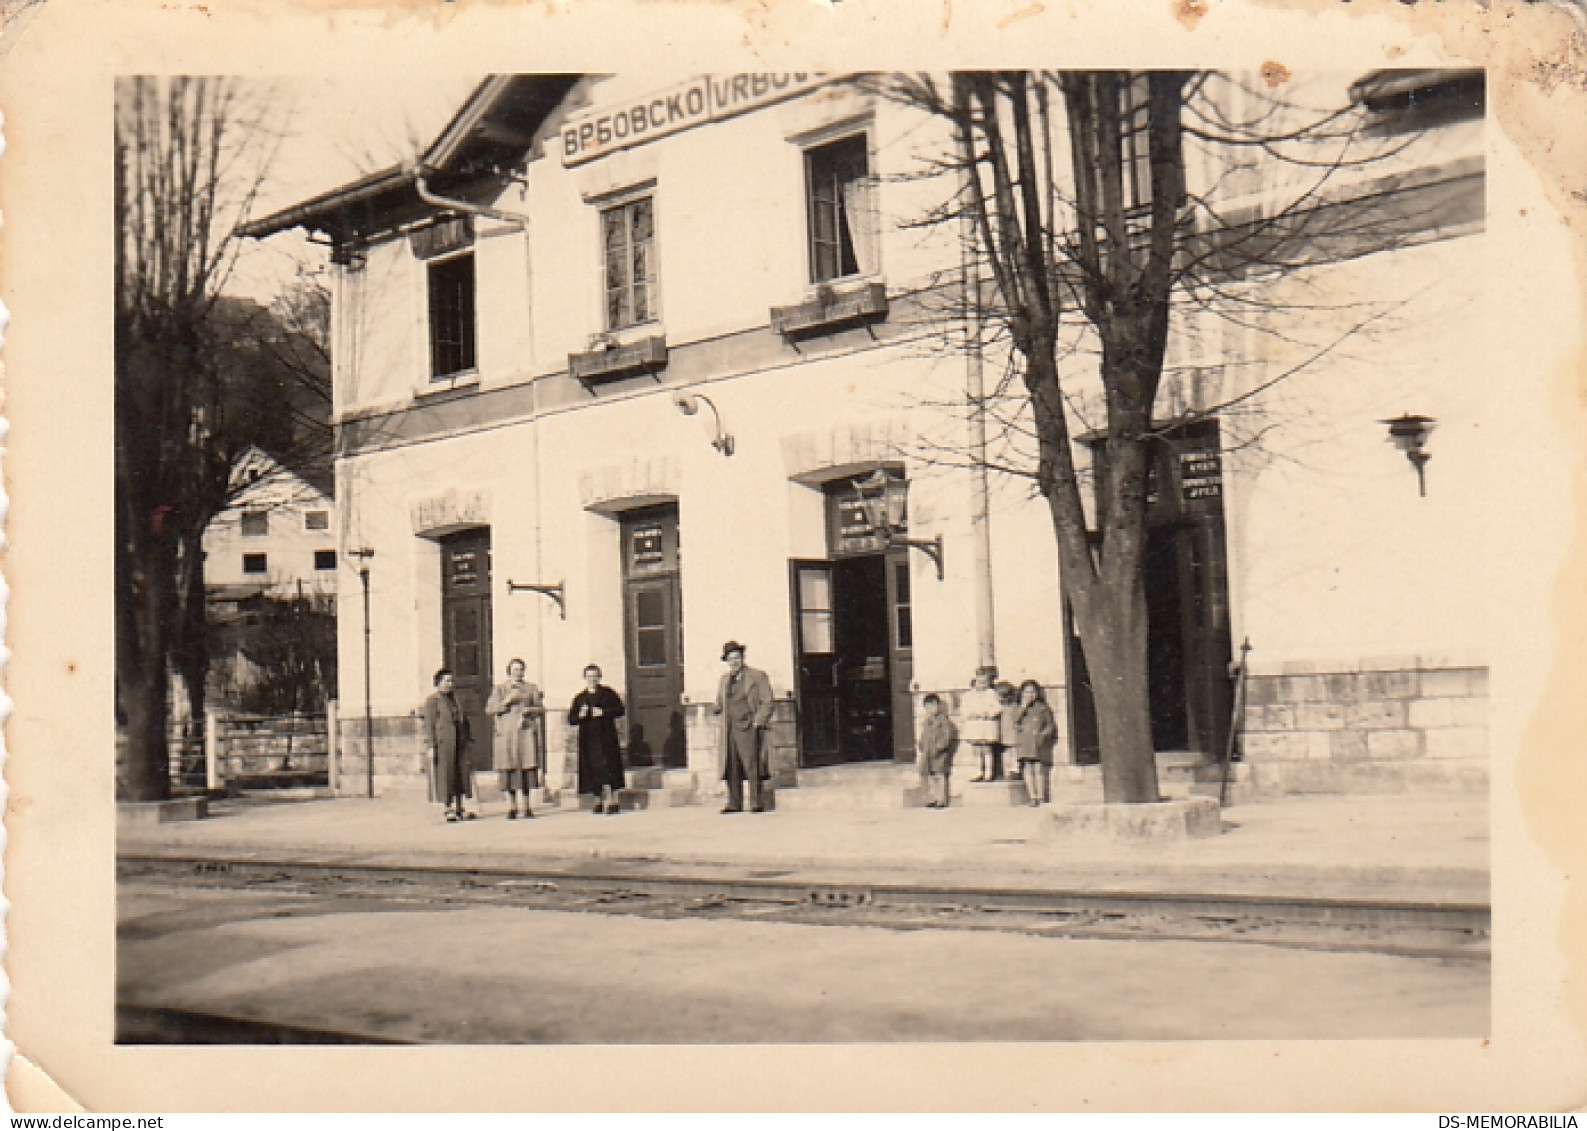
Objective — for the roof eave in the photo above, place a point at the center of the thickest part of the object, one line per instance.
(311, 214)
(464, 121)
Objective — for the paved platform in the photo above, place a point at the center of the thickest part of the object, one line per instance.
(1399, 848)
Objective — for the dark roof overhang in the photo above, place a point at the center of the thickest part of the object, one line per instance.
(339, 211)
(488, 138)
(1380, 86)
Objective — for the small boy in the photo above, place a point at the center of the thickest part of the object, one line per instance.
(935, 759)
(1005, 759)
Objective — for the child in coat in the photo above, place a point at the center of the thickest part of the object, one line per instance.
(1006, 760)
(935, 758)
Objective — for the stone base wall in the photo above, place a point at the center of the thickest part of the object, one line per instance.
(704, 730)
(952, 698)
(399, 750)
(1404, 730)
(251, 745)
(1384, 731)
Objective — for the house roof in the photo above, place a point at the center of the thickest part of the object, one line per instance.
(489, 135)
(257, 468)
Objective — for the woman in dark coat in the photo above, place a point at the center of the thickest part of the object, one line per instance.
(595, 712)
(446, 741)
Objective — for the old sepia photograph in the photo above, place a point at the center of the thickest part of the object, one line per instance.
(993, 550)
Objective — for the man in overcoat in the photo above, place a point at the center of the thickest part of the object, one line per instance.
(744, 701)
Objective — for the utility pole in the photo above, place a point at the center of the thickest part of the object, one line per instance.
(363, 557)
(975, 396)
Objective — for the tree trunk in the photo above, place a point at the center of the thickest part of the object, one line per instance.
(143, 684)
(189, 647)
(1113, 635)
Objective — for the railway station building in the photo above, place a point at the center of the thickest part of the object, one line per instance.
(625, 369)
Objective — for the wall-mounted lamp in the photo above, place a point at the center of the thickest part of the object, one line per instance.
(689, 404)
(1409, 433)
(883, 498)
(556, 592)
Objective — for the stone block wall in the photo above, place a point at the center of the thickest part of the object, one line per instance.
(250, 745)
(1057, 699)
(398, 751)
(1411, 729)
(704, 730)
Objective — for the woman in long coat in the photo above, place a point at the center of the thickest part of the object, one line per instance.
(595, 712)
(517, 707)
(446, 740)
(1037, 735)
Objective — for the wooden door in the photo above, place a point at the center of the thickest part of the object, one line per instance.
(653, 629)
(1166, 633)
(1085, 746)
(815, 667)
(466, 631)
(1209, 690)
(862, 649)
(901, 658)
(1187, 597)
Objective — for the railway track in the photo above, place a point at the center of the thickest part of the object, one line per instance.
(1458, 932)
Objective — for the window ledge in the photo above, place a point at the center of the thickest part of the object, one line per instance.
(456, 384)
(831, 305)
(620, 359)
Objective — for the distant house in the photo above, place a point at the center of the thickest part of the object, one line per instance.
(270, 581)
(278, 539)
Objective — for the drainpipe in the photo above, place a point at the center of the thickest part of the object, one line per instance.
(519, 220)
(435, 200)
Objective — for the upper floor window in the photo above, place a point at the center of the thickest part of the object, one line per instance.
(255, 524)
(255, 563)
(628, 240)
(842, 234)
(324, 559)
(316, 520)
(451, 283)
(1135, 140)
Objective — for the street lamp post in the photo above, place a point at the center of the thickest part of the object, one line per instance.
(363, 557)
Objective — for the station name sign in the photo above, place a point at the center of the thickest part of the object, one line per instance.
(709, 98)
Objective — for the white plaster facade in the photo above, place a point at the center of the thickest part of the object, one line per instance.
(1335, 563)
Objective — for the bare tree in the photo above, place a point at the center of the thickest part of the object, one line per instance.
(1072, 187)
(190, 155)
(271, 391)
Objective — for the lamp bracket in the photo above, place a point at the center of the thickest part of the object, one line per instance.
(557, 593)
(931, 547)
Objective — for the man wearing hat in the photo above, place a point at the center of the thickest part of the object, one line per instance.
(744, 701)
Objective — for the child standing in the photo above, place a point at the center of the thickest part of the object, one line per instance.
(983, 722)
(1038, 734)
(935, 758)
(1007, 730)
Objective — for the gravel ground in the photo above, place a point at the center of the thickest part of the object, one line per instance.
(404, 971)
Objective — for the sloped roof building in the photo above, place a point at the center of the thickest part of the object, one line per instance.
(624, 371)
